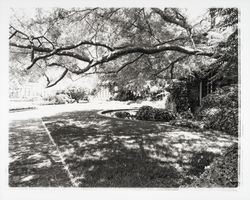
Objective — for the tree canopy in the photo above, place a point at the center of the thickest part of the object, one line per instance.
(124, 45)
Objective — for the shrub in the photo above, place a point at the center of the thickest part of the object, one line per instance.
(179, 92)
(61, 99)
(57, 99)
(123, 115)
(76, 94)
(154, 114)
(126, 95)
(225, 120)
(145, 113)
(222, 172)
(186, 115)
(219, 110)
(201, 160)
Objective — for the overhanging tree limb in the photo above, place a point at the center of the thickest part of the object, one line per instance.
(113, 55)
(58, 80)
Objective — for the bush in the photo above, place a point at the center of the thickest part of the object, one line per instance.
(219, 110)
(179, 92)
(154, 114)
(123, 115)
(186, 115)
(77, 94)
(222, 172)
(61, 99)
(126, 95)
(199, 161)
(66, 96)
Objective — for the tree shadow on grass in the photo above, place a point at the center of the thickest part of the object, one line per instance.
(106, 152)
(34, 160)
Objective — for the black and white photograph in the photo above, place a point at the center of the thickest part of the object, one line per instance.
(124, 97)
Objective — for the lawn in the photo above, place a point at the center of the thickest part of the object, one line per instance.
(107, 152)
(33, 159)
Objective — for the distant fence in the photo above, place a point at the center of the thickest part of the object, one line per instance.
(26, 93)
(102, 95)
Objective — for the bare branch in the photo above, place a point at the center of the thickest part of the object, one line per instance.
(20, 32)
(13, 35)
(48, 50)
(58, 80)
(73, 46)
(41, 57)
(170, 65)
(43, 37)
(128, 63)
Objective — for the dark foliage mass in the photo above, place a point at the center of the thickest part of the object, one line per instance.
(123, 115)
(179, 93)
(126, 95)
(200, 161)
(223, 172)
(154, 114)
(219, 110)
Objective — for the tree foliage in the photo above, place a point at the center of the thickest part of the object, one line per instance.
(124, 45)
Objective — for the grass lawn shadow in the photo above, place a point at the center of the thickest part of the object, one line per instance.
(106, 152)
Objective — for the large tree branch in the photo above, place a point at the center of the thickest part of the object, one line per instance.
(78, 71)
(73, 46)
(57, 81)
(48, 50)
(113, 55)
(148, 50)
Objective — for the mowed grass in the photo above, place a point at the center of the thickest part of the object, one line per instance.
(33, 158)
(106, 152)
